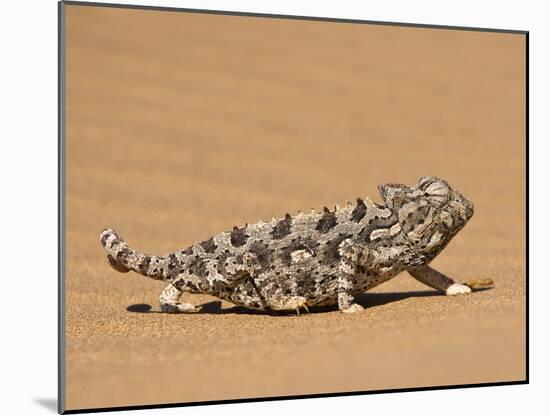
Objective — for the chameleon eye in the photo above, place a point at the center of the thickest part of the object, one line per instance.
(438, 192)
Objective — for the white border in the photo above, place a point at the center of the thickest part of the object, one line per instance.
(29, 195)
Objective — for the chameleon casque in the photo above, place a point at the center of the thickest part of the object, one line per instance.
(312, 259)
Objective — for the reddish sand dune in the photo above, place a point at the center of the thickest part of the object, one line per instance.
(182, 125)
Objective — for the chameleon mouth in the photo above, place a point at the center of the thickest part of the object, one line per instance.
(464, 209)
(468, 209)
(471, 209)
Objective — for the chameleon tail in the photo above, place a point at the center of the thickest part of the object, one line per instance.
(124, 259)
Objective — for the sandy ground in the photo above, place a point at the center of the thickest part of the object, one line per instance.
(180, 126)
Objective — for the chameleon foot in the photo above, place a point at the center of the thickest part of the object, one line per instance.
(290, 303)
(304, 305)
(458, 289)
(482, 283)
(177, 308)
(354, 308)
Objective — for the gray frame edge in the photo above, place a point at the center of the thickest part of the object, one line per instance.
(61, 266)
(290, 17)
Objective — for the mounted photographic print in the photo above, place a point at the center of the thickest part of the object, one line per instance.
(261, 207)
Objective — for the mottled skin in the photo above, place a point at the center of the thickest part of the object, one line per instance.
(312, 259)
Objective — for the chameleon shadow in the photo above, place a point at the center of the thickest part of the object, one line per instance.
(139, 308)
(367, 300)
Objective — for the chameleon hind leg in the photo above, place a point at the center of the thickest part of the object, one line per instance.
(169, 300)
(440, 282)
(212, 283)
(246, 270)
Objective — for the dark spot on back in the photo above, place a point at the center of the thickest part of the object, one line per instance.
(238, 237)
(327, 221)
(282, 228)
(187, 251)
(331, 255)
(359, 212)
(209, 246)
(263, 255)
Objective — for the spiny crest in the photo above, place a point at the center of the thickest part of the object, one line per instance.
(282, 227)
(236, 228)
(359, 211)
(327, 221)
(237, 236)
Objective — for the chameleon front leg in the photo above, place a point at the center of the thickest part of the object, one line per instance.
(440, 282)
(347, 271)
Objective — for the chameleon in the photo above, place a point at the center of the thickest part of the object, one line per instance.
(316, 259)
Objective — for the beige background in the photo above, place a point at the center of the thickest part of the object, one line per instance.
(181, 125)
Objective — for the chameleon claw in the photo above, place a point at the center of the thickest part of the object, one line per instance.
(480, 283)
(304, 305)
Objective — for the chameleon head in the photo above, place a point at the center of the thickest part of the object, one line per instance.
(430, 213)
